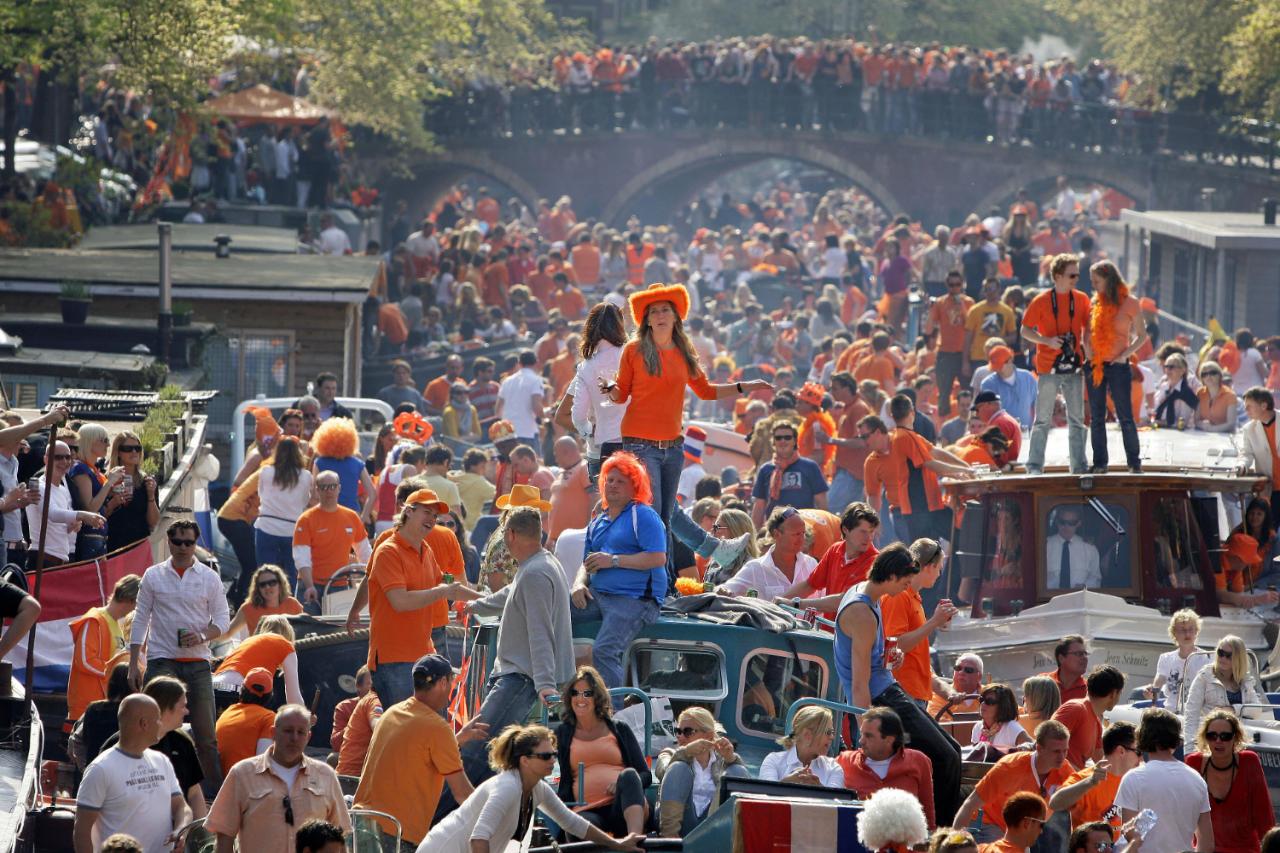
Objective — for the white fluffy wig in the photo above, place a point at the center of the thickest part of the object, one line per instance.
(892, 818)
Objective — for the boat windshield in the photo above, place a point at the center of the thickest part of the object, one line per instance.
(696, 675)
(770, 682)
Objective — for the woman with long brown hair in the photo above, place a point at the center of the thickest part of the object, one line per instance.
(1114, 334)
(596, 418)
(284, 492)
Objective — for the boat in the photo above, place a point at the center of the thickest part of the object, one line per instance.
(1157, 536)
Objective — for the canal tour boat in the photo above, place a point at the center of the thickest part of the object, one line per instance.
(1153, 541)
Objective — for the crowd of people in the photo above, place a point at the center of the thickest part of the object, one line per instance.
(580, 496)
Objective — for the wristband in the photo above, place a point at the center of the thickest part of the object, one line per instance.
(739, 387)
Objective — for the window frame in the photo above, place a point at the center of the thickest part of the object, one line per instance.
(790, 657)
(681, 646)
(1045, 506)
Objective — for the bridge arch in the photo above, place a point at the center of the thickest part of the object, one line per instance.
(1132, 183)
(734, 153)
(435, 176)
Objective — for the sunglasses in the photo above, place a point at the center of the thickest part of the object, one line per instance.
(687, 731)
(262, 584)
(719, 527)
(1173, 367)
(183, 543)
(131, 448)
(1222, 737)
(967, 670)
(448, 524)
(288, 811)
(1073, 275)
(328, 487)
(784, 438)
(1224, 653)
(585, 694)
(62, 457)
(544, 756)
(1105, 846)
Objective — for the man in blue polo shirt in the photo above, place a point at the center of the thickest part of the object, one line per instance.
(623, 578)
(788, 479)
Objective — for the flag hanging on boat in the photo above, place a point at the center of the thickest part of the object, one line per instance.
(66, 593)
(795, 826)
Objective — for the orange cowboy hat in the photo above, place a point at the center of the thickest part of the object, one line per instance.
(523, 495)
(673, 293)
(265, 425)
(812, 393)
(426, 497)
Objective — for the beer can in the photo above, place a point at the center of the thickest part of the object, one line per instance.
(890, 643)
(811, 616)
(751, 593)
(447, 577)
(988, 607)
(182, 635)
(708, 586)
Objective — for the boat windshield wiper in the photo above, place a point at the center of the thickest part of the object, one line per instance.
(1100, 508)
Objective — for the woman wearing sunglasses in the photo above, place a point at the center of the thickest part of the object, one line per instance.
(998, 730)
(268, 596)
(610, 793)
(691, 772)
(132, 510)
(1225, 683)
(502, 808)
(1217, 409)
(1238, 799)
(803, 758)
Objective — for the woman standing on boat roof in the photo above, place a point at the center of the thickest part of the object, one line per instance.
(1114, 334)
(655, 367)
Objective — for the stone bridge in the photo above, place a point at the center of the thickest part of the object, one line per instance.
(651, 173)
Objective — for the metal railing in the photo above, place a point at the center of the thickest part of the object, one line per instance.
(356, 834)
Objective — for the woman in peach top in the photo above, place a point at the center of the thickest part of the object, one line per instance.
(1217, 409)
(656, 365)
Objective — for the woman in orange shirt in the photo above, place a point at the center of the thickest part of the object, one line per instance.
(271, 648)
(657, 363)
(268, 595)
(1217, 409)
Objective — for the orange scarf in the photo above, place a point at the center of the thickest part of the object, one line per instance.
(1102, 327)
(780, 471)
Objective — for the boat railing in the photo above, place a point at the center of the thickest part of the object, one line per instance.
(372, 839)
(1266, 706)
(338, 602)
(183, 833)
(800, 614)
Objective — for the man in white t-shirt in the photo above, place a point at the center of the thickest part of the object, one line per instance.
(1176, 793)
(333, 240)
(695, 439)
(520, 399)
(130, 787)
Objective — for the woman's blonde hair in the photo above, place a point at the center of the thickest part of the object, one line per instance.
(1182, 616)
(255, 595)
(1176, 359)
(808, 718)
(737, 523)
(1237, 730)
(1041, 696)
(947, 840)
(515, 742)
(87, 435)
(1239, 657)
(700, 717)
(276, 623)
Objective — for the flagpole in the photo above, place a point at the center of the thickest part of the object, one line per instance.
(44, 527)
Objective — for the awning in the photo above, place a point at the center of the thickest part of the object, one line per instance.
(263, 105)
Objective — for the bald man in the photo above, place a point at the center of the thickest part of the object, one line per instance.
(130, 787)
(571, 493)
(326, 538)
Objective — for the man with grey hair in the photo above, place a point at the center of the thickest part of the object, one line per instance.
(267, 797)
(535, 638)
(966, 680)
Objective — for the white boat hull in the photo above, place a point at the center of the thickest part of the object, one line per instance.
(1129, 637)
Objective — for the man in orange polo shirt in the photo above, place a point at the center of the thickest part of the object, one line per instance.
(845, 564)
(1041, 771)
(851, 451)
(948, 314)
(904, 618)
(245, 729)
(437, 391)
(1073, 661)
(401, 592)
(1089, 794)
(324, 540)
(1024, 815)
(97, 646)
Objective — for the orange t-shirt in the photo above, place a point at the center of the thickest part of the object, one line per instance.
(851, 354)
(358, 733)
(908, 446)
(657, 402)
(1085, 727)
(1097, 802)
(93, 648)
(332, 538)
(848, 458)
(563, 367)
(1270, 430)
(1002, 845)
(495, 284)
(978, 454)
(1012, 774)
(902, 613)
(571, 302)
(543, 287)
(880, 368)
(437, 392)
(395, 636)
(252, 612)
(1040, 316)
(391, 323)
(261, 650)
(877, 475)
(585, 260)
(807, 444)
(1126, 316)
(243, 503)
(1218, 411)
(239, 729)
(1076, 691)
(947, 315)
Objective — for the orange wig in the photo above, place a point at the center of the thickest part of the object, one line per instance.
(336, 438)
(633, 469)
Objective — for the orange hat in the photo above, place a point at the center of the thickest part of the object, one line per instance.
(812, 393)
(259, 681)
(1243, 547)
(265, 425)
(523, 495)
(1147, 304)
(501, 431)
(413, 426)
(999, 357)
(673, 293)
(579, 57)
(427, 497)
(1019, 210)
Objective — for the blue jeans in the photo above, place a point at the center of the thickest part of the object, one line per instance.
(621, 619)
(664, 466)
(845, 489)
(1117, 380)
(1070, 385)
(677, 787)
(393, 682)
(278, 551)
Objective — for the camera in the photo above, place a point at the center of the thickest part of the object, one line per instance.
(1068, 358)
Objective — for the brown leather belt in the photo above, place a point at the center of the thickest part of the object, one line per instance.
(663, 444)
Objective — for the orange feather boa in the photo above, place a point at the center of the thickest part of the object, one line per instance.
(1102, 328)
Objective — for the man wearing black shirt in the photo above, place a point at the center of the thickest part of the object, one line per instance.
(19, 607)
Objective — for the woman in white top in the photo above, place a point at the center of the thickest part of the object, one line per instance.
(595, 416)
(804, 758)
(782, 566)
(502, 808)
(1176, 401)
(999, 728)
(1252, 371)
(1226, 684)
(284, 493)
(1177, 669)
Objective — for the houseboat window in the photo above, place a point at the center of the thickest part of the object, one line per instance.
(673, 670)
(1087, 544)
(1006, 549)
(1178, 542)
(771, 682)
